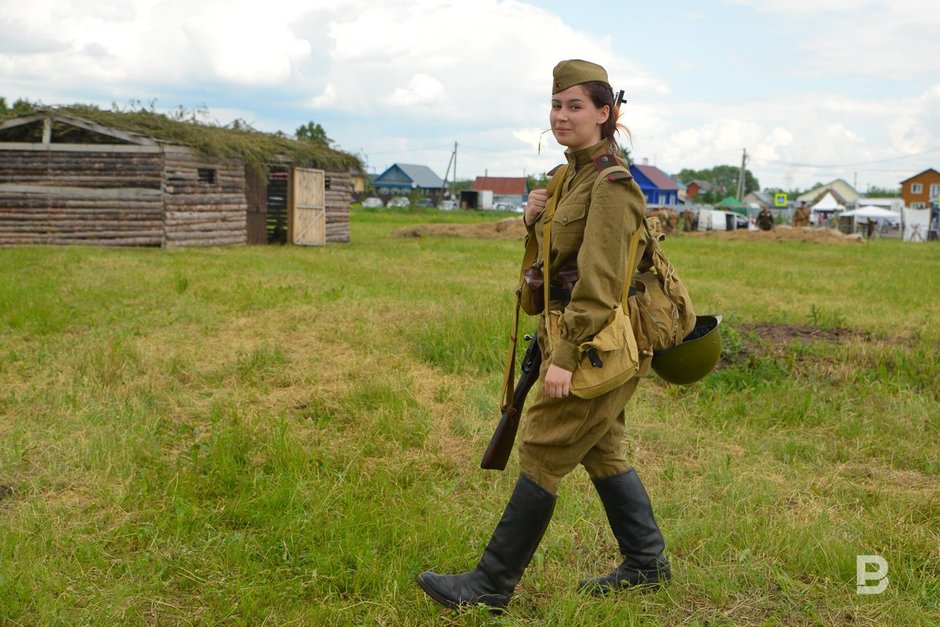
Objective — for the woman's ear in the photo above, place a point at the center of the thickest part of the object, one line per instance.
(603, 115)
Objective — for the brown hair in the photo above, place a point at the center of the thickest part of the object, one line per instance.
(602, 95)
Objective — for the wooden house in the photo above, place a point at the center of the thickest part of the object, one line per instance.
(403, 179)
(657, 187)
(78, 175)
(695, 188)
(921, 191)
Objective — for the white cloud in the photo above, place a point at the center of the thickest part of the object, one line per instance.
(483, 55)
(797, 139)
(915, 128)
(421, 90)
(880, 39)
(242, 42)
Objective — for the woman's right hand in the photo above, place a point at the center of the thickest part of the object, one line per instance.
(557, 382)
(538, 198)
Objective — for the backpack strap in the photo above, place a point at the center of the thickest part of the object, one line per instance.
(528, 258)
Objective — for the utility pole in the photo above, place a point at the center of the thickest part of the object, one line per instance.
(739, 195)
(452, 162)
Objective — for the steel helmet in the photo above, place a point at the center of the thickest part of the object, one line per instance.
(695, 357)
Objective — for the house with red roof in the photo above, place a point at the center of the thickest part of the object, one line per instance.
(506, 190)
(659, 189)
(695, 188)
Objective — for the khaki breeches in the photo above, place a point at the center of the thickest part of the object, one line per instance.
(557, 434)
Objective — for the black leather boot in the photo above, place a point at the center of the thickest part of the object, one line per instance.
(641, 542)
(507, 554)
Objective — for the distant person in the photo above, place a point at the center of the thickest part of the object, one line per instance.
(687, 220)
(765, 219)
(801, 216)
(595, 218)
(870, 227)
(673, 222)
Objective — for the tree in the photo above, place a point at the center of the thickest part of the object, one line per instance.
(536, 182)
(883, 192)
(19, 107)
(724, 181)
(313, 132)
(626, 156)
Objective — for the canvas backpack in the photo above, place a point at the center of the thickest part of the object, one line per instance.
(662, 314)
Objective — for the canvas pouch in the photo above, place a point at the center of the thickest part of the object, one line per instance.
(662, 313)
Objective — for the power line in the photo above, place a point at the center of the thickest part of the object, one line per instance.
(853, 165)
(389, 152)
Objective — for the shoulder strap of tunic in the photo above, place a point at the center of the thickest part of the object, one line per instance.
(610, 168)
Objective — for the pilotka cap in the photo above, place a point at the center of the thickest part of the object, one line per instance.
(574, 72)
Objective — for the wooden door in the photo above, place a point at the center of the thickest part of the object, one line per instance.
(306, 207)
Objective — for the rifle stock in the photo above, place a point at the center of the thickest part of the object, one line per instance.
(504, 436)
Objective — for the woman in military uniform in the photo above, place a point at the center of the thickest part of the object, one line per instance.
(591, 231)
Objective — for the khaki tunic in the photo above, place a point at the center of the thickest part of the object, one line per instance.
(801, 217)
(591, 231)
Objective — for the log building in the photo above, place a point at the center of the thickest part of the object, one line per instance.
(141, 179)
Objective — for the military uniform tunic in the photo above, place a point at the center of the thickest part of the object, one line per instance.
(591, 229)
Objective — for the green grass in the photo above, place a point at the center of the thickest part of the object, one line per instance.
(289, 435)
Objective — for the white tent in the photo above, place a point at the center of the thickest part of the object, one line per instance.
(873, 213)
(828, 203)
(826, 206)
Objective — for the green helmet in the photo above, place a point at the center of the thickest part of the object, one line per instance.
(695, 357)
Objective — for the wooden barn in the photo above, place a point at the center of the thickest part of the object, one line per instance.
(79, 175)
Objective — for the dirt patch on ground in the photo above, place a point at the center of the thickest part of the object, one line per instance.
(786, 233)
(510, 228)
(775, 339)
(777, 334)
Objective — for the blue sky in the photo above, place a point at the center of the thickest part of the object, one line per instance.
(814, 90)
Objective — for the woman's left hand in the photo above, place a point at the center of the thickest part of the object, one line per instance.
(557, 383)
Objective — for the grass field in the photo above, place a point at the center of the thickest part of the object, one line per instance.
(286, 435)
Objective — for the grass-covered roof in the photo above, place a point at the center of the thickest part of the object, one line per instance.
(238, 140)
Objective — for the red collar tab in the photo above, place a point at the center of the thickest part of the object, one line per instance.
(605, 161)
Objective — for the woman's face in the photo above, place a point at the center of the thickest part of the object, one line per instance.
(576, 122)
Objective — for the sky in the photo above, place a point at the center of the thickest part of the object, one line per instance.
(812, 90)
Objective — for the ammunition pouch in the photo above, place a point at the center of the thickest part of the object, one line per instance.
(533, 293)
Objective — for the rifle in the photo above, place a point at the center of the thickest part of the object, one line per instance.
(500, 446)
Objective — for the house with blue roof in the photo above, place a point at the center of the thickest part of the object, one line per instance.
(401, 179)
(657, 187)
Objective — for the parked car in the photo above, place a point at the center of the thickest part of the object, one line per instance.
(505, 206)
(399, 201)
(448, 205)
(372, 202)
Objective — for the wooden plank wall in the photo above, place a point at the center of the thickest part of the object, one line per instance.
(200, 213)
(339, 188)
(256, 194)
(88, 197)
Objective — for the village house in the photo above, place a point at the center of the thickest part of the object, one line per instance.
(79, 175)
(841, 190)
(695, 188)
(404, 179)
(506, 190)
(658, 188)
(921, 191)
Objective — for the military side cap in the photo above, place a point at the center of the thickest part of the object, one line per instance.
(574, 72)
